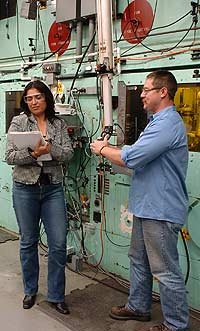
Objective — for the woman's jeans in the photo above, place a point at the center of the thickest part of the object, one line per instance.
(46, 202)
(153, 251)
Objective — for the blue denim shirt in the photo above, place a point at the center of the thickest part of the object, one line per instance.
(159, 159)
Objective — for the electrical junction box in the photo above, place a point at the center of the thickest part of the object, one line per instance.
(88, 7)
(7, 8)
(49, 68)
(29, 9)
(68, 10)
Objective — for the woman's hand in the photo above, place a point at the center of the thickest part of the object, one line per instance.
(41, 148)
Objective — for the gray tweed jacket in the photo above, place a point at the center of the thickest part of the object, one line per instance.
(26, 169)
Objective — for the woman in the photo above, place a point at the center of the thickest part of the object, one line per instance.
(38, 192)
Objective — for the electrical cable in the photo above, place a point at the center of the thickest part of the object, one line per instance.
(152, 29)
(100, 110)
(79, 216)
(114, 243)
(17, 22)
(7, 20)
(52, 53)
(167, 49)
(81, 228)
(122, 282)
(156, 56)
(154, 15)
(187, 257)
(42, 32)
(66, 40)
(80, 63)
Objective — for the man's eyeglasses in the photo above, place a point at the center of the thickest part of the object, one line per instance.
(147, 90)
(38, 97)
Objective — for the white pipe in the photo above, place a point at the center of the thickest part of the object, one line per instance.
(64, 58)
(105, 41)
(24, 64)
(107, 99)
(118, 61)
(79, 37)
(91, 30)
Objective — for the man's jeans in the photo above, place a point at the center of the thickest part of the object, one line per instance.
(153, 251)
(32, 203)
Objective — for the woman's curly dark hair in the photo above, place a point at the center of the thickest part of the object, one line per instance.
(42, 88)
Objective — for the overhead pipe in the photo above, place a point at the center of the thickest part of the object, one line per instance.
(105, 65)
(24, 64)
(90, 35)
(79, 38)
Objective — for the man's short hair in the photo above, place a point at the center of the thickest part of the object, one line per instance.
(164, 78)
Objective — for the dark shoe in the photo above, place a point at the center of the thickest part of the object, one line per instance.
(61, 307)
(29, 301)
(159, 327)
(123, 313)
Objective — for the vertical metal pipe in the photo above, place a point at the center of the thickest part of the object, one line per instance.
(105, 42)
(107, 99)
(79, 38)
(90, 35)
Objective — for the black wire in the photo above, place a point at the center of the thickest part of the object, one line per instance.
(154, 15)
(82, 159)
(18, 42)
(170, 24)
(42, 32)
(118, 289)
(167, 49)
(36, 33)
(7, 21)
(161, 27)
(187, 46)
(187, 257)
(114, 243)
(27, 55)
(80, 63)
(100, 110)
(81, 226)
(111, 241)
(80, 183)
(84, 165)
(80, 108)
(66, 40)
(116, 124)
(53, 53)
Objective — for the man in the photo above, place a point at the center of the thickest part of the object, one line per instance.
(158, 200)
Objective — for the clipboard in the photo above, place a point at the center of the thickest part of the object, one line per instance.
(28, 139)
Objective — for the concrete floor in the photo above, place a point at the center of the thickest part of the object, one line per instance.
(12, 316)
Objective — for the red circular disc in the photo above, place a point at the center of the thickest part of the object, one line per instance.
(59, 37)
(137, 21)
